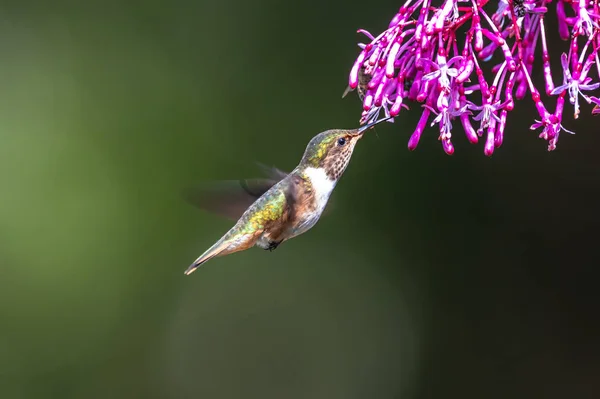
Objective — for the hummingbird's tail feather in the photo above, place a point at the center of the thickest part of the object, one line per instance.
(210, 253)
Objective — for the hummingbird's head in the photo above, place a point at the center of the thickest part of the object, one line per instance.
(331, 150)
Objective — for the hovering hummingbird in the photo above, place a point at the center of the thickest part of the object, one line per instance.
(274, 210)
(363, 84)
(363, 81)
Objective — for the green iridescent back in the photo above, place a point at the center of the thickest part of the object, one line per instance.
(268, 208)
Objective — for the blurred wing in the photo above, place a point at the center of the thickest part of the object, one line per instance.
(228, 198)
(231, 198)
(272, 172)
(348, 90)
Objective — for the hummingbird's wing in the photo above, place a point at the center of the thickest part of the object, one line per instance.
(272, 172)
(228, 198)
(348, 90)
(231, 198)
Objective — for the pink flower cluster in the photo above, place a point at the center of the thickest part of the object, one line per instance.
(434, 56)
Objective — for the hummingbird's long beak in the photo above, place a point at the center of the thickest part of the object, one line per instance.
(361, 130)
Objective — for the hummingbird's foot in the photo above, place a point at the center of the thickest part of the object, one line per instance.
(273, 245)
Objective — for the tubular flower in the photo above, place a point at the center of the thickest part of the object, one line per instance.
(433, 55)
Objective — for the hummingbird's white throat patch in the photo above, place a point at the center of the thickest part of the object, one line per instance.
(322, 185)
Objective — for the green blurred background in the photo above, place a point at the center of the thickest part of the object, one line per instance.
(435, 276)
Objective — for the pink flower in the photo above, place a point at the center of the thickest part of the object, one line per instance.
(427, 56)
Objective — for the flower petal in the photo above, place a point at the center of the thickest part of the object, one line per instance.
(593, 86)
(564, 62)
(453, 60)
(427, 62)
(559, 89)
(431, 75)
(595, 100)
(536, 125)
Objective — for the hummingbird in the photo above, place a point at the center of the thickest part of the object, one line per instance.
(363, 84)
(363, 81)
(285, 205)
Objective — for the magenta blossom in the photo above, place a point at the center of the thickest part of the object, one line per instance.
(434, 55)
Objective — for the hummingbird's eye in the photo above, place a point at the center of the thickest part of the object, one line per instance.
(341, 141)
